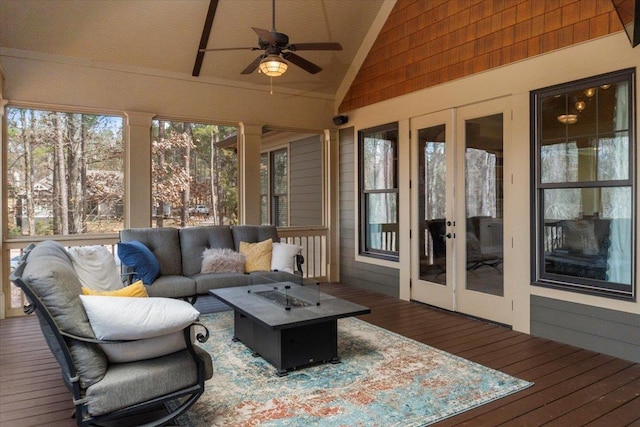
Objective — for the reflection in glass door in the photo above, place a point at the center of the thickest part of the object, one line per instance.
(484, 204)
(432, 220)
(482, 289)
(432, 173)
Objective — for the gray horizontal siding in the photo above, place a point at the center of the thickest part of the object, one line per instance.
(305, 181)
(362, 275)
(602, 330)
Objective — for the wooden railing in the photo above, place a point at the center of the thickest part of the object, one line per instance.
(314, 249)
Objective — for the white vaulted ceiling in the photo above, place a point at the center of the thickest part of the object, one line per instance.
(162, 36)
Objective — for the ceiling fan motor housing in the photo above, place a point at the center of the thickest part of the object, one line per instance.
(281, 40)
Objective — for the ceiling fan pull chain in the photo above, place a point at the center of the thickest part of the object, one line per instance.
(271, 91)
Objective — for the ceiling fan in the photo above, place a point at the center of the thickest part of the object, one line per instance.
(277, 48)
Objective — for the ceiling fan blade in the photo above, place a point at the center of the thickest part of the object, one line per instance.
(252, 67)
(309, 67)
(315, 46)
(264, 35)
(204, 38)
(228, 48)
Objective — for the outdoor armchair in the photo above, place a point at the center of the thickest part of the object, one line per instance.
(141, 379)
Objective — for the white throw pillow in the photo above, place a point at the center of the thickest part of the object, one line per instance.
(130, 318)
(282, 256)
(96, 268)
(145, 349)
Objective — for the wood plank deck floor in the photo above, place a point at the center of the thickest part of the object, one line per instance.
(573, 387)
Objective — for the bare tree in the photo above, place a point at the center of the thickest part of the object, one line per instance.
(214, 179)
(60, 191)
(29, 140)
(75, 156)
(186, 195)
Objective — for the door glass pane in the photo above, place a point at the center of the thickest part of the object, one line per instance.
(431, 204)
(484, 204)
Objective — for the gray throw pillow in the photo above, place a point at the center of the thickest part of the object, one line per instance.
(222, 261)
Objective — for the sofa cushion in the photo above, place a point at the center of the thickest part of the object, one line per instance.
(163, 242)
(139, 257)
(130, 318)
(95, 267)
(283, 256)
(222, 261)
(253, 234)
(135, 290)
(194, 240)
(50, 273)
(258, 255)
(172, 286)
(206, 281)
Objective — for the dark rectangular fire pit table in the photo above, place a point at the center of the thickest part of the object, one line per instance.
(288, 325)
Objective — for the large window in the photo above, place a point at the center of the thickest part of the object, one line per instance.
(584, 187)
(378, 185)
(195, 176)
(64, 172)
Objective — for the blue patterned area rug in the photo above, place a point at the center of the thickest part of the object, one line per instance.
(384, 380)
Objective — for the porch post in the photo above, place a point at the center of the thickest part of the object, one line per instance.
(3, 228)
(250, 138)
(137, 207)
(331, 198)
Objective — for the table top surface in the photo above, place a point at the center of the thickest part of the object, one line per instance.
(306, 304)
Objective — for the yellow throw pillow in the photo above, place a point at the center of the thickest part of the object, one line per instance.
(258, 255)
(135, 290)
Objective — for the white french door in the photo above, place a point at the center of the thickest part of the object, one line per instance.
(457, 249)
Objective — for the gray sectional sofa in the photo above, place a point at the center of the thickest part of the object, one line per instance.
(179, 253)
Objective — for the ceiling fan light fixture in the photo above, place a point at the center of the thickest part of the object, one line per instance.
(567, 119)
(273, 66)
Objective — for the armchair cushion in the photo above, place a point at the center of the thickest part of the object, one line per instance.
(128, 318)
(131, 351)
(144, 263)
(283, 256)
(54, 280)
(130, 383)
(95, 267)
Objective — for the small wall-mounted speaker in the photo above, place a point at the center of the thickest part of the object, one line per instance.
(340, 120)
